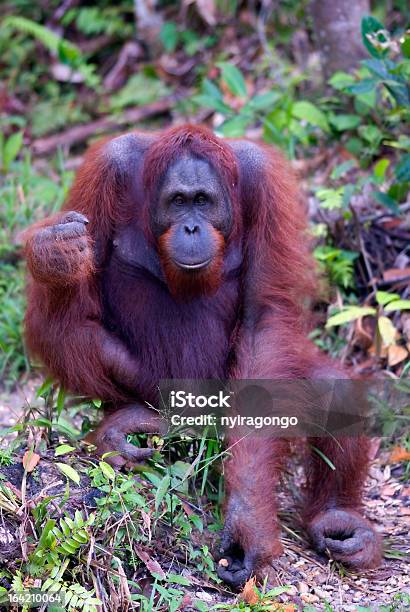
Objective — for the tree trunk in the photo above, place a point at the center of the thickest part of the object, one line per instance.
(336, 25)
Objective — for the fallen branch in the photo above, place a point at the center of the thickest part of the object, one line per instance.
(80, 133)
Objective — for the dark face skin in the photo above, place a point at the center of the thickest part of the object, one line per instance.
(192, 202)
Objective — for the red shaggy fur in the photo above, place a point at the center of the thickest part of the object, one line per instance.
(185, 286)
(277, 285)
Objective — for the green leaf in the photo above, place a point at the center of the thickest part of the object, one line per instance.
(264, 101)
(387, 330)
(276, 591)
(330, 198)
(371, 133)
(63, 450)
(169, 36)
(211, 89)
(341, 169)
(397, 305)
(309, 112)
(341, 80)
(11, 149)
(387, 201)
(107, 470)
(235, 127)
(344, 122)
(349, 314)
(45, 387)
(370, 27)
(405, 47)
(402, 170)
(65, 547)
(233, 78)
(70, 472)
(162, 490)
(362, 87)
(44, 538)
(384, 297)
(177, 579)
(60, 401)
(65, 527)
(380, 168)
(215, 103)
(379, 68)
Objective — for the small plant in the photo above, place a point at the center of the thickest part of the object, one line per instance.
(59, 540)
(386, 335)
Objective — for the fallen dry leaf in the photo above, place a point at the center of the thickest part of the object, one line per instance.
(309, 598)
(152, 565)
(388, 490)
(396, 274)
(399, 454)
(249, 594)
(30, 460)
(206, 8)
(396, 354)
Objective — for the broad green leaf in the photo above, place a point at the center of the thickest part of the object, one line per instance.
(177, 579)
(276, 591)
(387, 330)
(264, 101)
(63, 450)
(162, 490)
(330, 198)
(215, 103)
(373, 30)
(341, 80)
(398, 305)
(351, 313)
(11, 148)
(233, 78)
(46, 533)
(387, 201)
(380, 168)
(371, 133)
(344, 122)
(341, 169)
(210, 89)
(378, 67)
(405, 47)
(309, 112)
(402, 170)
(70, 472)
(107, 470)
(362, 87)
(60, 400)
(384, 297)
(235, 127)
(169, 36)
(45, 387)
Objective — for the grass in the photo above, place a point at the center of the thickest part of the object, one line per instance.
(26, 195)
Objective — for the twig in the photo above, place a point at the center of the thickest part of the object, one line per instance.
(363, 250)
(80, 133)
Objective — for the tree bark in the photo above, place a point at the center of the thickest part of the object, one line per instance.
(336, 26)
